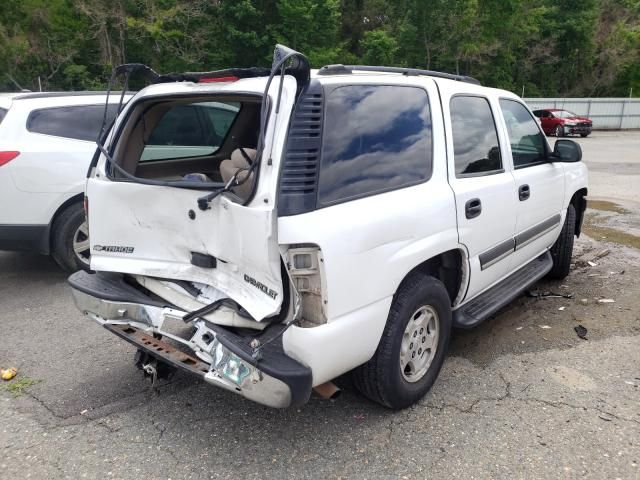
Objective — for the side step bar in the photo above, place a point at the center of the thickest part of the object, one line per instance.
(503, 293)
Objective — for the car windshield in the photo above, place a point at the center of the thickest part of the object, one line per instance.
(564, 114)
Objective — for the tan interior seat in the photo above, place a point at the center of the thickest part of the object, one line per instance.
(229, 167)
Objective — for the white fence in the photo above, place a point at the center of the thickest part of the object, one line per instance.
(606, 113)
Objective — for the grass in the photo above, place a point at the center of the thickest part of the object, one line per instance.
(19, 386)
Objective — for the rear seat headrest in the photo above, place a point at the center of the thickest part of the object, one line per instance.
(228, 168)
(239, 160)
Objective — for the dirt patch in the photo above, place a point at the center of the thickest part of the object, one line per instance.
(537, 324)
(572, 378)
(610, 222)
(594, 229)
(606, 206)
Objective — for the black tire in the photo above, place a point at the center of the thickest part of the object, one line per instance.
(559, 131)
(562, 250)
(64, 230)
(381, 379)
(584, 135)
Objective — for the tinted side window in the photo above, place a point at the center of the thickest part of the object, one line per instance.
(190, 130)
(376, 138)
(221, 119)
(475, 140)
(527, 142)
(180, 126)
(80, 122)
(3, 112)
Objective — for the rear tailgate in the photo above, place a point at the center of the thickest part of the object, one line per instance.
(153, 230)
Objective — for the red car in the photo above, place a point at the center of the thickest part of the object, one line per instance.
(563, 122)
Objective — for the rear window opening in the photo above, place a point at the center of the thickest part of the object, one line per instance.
(192, 139)
(190, 130)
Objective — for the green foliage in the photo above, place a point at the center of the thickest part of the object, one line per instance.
(378, 48)
(573, 47)
(18, 386)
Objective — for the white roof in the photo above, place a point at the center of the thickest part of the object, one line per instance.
(52, 99)
(6, 99)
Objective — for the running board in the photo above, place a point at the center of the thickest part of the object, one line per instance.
(504, 292)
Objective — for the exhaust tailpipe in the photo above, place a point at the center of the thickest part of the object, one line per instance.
(328, 391)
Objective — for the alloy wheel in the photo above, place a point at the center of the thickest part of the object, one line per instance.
(81, 246)
(419, 343)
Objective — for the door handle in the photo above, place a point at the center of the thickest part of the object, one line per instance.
(524, 192)
(473, 208)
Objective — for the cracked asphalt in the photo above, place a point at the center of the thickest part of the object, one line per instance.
(520, 396)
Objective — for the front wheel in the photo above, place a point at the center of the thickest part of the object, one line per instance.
(413, 345)
(584, 135)
(562, 250)
(559, 131)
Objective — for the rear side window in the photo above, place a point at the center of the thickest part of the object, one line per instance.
(80, 122)
(527, 142)
(190, 130)
(376, 138)
(3, 113)
(475, 139)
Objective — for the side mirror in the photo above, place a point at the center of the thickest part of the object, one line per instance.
(566, 151)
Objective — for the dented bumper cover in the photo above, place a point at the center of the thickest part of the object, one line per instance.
(213, 353)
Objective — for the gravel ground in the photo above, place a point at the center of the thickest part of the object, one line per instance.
(520, 396)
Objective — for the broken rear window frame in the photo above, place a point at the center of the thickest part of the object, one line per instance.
(209, 186)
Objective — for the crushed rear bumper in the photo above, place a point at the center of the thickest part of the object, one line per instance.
(214, 353)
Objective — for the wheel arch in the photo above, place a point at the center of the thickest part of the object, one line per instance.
(66, 204)
(579, 202)
(450, 267)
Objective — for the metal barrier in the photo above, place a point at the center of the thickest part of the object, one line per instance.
(606, 113)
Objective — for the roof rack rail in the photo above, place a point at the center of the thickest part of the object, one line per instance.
(340, 69)
(78, 93)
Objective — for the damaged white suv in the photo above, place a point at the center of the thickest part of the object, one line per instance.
(270, 232)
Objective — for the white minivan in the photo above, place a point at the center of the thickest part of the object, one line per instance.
(47, 141)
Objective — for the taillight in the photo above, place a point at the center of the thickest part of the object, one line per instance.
(6, 157)
(217, 79)
(306, 268)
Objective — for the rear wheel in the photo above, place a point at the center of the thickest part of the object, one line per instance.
(70, 239)
(559, 131)
(562, 250)
(413, 346)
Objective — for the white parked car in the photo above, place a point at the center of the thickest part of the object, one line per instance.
(344, 219)
(47, 141)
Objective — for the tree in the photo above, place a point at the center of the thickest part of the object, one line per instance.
(576, 47)
(378, 48)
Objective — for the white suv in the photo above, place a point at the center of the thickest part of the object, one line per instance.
(342, 219)
(46, 144)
